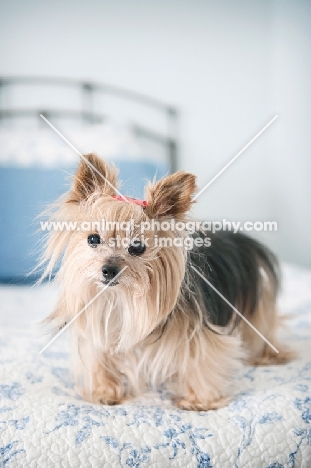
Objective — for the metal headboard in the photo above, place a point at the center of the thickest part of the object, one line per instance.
(88, 90)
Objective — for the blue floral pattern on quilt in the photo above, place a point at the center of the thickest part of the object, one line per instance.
(44, 422)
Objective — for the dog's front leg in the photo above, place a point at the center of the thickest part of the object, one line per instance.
(212, 362)
(106, 383)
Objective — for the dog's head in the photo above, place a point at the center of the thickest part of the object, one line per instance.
(129, 250)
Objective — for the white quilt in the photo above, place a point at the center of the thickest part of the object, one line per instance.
(44, 423)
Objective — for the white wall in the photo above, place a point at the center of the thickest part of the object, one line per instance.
(290, 193)
(230, 66)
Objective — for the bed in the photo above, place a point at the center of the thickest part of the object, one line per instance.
(137, 133)
(44, 422)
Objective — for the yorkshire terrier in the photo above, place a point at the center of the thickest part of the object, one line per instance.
(150, 319)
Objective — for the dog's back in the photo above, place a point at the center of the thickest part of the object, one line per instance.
(236, 265)
(246, 273)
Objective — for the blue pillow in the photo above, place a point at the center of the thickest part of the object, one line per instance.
(26, 192)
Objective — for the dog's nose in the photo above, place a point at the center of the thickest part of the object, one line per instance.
(110, 271)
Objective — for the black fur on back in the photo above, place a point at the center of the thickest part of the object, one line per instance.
(232, 264)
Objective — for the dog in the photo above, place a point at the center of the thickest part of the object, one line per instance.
(148, 318)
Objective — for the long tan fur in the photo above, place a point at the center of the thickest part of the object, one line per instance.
(138, 334)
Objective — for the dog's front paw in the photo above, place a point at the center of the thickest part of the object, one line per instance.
(107, 400)
(107, 396)
(191, 403)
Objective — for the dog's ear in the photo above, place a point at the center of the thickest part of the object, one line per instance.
(93, 174)
(171, 197)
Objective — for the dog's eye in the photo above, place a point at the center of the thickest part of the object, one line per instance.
(136, 248)
(93, 240)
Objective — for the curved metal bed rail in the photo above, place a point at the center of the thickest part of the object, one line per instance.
(88, 90)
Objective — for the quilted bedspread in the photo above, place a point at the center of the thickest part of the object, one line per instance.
(44, 422)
